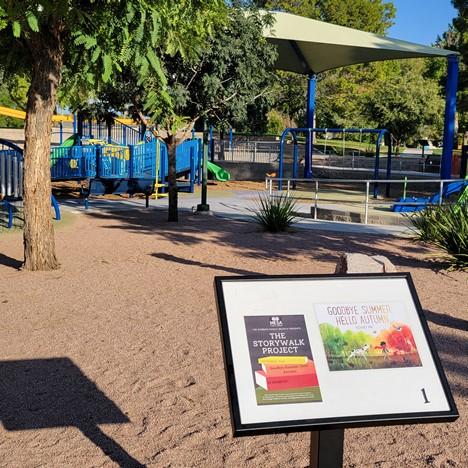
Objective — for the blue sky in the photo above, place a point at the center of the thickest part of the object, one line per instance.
(421, 20)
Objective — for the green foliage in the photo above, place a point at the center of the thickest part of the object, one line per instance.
(460, 43)
(407, 104)
(339, 344)
(230, 74)
(13, 93)
(446, 227)
(368, 15)
(275, 214)
(276, 123)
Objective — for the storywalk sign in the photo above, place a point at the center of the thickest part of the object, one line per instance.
(315, 352)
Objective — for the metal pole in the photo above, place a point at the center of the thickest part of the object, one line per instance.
(212, 145)
(366, 209)
(281, 160)
(316, 199)
(326, 448)
(389, 163)
(311, 89)
(203, 206)
(377, 164)
(289, 186)
(449, 123)
(441, 192)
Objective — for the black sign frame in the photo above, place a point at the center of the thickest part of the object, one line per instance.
(240, 429)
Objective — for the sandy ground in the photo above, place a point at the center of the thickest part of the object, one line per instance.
(115, 359)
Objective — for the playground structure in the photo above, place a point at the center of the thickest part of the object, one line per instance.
(413, 204)
(381, 134)
(310, 47)
(11, 180)
(107, 159)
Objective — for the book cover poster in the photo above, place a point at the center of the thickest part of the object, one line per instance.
(282, 365)
(366, 336)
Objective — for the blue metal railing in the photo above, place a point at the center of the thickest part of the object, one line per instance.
(143, 160)
(76, 162)
(11, 173)
(113, 162)
(117, 133)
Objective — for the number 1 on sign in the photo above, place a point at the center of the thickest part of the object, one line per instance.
(423, 390)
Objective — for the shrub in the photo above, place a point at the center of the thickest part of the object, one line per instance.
(275, 214)
(446, 227)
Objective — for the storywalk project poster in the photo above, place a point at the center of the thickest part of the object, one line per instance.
(283, 368)
(367, 336)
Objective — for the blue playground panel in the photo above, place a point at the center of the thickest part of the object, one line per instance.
(122, 162)
(419, 204)
(73, 163)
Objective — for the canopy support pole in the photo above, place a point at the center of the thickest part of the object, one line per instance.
(449, 124)
(311, 88)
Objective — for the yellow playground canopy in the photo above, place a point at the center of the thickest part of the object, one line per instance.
(309, 46)
(19, 114)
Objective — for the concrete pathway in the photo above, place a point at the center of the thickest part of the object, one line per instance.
(237, 205)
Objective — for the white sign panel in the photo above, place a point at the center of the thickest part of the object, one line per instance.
(328, 351)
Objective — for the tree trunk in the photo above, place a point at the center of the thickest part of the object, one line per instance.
(39, 243)
(172, 178)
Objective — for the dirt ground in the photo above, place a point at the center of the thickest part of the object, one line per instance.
(115, 359)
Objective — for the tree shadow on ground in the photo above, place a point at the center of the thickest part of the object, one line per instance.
(250, 241)
(51, 393)
(10, 262)
(446, 320)
(453, 349)
(212, 266)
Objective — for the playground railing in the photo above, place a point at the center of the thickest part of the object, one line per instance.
(11, 174)
(117, 133)
(143, 158)
(114, 162)
(75, 162)
(362, 198)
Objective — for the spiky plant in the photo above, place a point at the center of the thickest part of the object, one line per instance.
(275, 214)
(446, 227)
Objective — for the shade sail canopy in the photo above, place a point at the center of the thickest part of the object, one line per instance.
(310, 46)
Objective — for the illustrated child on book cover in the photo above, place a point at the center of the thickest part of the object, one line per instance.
(366, 336)
(283, 369)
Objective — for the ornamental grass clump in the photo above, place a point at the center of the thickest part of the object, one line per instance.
(275, 214)
(446, 227)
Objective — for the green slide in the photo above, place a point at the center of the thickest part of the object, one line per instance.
(70, 141)
(218, 172)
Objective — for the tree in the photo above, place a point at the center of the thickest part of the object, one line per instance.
(233, 72)
(460, 24)
(408, 105)
(95, 38)
(218, 86)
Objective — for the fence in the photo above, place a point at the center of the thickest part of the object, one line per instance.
(259, 151)
(247, 151)
(360, 194)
